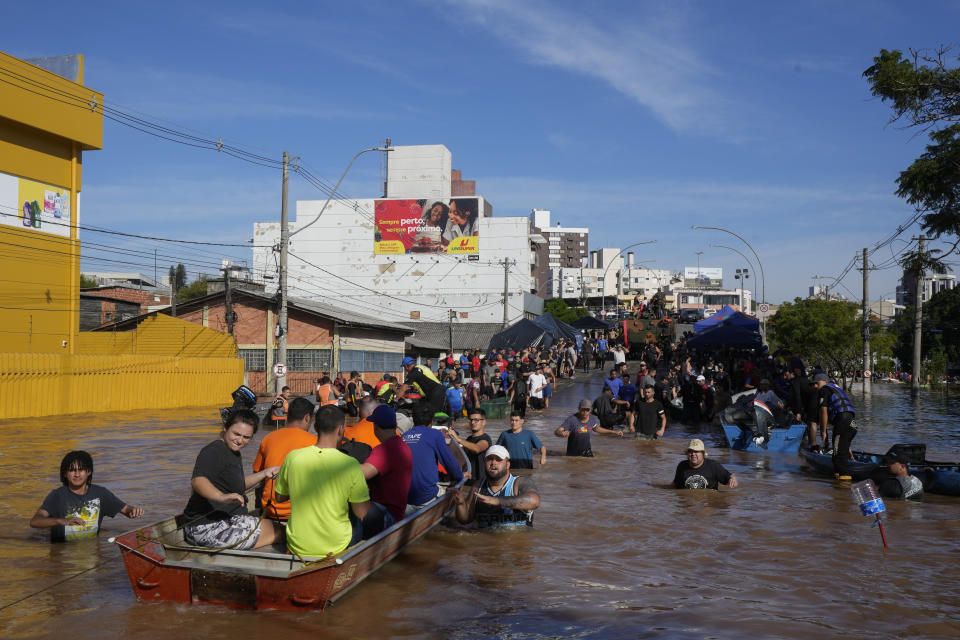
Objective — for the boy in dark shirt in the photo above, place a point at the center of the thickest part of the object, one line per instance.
(76, 510)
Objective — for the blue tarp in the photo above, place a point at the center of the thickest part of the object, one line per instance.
(729, 334)
(544, 329)
(715, 319)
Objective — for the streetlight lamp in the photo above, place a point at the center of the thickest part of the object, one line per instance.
(763, 278)
(740, 253)
(603, 278)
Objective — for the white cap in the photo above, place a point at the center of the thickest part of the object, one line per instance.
(497, 450)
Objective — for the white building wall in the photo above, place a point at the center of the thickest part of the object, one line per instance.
(333, 261)
(419, 171)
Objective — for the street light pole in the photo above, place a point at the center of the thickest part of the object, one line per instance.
(603, 292)
(763, 277)
(699, 283)
(740, 253)
(284, 247)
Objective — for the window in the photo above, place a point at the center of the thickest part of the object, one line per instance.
(355, 360)
(254, 359)
(309, 359)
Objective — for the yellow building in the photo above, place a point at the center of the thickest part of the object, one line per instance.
(47, 121)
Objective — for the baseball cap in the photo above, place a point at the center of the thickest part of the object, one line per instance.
(699, 378)
(891, 458)
(696, 445)
(406, 361)
(384, 416)
(585, 404)
(821, 377)
(498, 451)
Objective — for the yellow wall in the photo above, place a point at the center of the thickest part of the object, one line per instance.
(47, 367)
(46, 122)
(43, 384)
(164, 363)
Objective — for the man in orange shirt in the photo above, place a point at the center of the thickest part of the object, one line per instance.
(363, 431)
(274, 448)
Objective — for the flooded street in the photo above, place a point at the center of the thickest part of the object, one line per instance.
(616, 552)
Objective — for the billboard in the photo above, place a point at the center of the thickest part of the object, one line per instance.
(34, 205)
(426, 226)
(711, 277)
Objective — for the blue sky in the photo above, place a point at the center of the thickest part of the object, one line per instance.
(636, 119)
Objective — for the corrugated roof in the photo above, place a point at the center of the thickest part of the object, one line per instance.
(466, 335)
(345, 316)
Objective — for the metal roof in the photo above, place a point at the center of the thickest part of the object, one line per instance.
(466, 335)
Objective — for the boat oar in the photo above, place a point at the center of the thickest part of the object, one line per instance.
(871, 504)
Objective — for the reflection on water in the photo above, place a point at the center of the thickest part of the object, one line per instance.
(615, 553)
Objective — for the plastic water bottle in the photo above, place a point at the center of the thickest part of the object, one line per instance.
(867, 496)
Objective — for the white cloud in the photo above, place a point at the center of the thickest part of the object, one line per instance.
(647, 60)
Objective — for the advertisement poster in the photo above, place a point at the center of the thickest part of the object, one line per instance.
(426, 226)
(711, 277)
(34, 205)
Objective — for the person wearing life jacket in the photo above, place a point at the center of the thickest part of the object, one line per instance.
(423, 380)
(281, 405)
(502, 499)
(836, 409)
(326, 394)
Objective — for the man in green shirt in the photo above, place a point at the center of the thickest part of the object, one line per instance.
(323, 486)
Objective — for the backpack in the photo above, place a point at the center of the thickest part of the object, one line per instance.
(357, 450)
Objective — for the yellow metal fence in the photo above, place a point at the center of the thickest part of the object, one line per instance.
(40, 384)
(165, 363)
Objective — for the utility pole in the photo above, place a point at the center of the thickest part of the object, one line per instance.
(173, 297)
(228, 300)
(865, 312)
(155, 281)
(917, 323)
(506, 289)
(284, 241)
(451, 314)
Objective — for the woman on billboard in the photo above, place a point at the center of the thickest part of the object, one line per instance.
(461, 220)
(429, 234)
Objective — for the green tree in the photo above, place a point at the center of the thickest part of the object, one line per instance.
(88, 283)
(196, 289)
(561, 311)
(941, 329)
(824, 332)
(924, 92)
(178, 277)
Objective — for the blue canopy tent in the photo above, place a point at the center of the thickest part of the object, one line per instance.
(715, 319)
(736, 331)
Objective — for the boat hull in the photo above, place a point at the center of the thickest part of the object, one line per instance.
(942, 478)
(161, 568)
(788, 439)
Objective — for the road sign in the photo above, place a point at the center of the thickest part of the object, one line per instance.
(866, 374)
(763, 310)
(280, 370)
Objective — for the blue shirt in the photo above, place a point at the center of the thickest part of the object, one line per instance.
(602, 344)
(428, 447)
(614, 385)
(455, 398)
(520, 446)
(628, 392)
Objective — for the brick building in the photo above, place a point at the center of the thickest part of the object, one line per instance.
(99, 310)
(148, 299)
(320, 338)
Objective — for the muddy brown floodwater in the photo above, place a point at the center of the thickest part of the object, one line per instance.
(615, 553)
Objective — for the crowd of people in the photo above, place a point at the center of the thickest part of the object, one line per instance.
(321, 493)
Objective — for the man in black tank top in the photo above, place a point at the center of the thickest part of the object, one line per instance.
(502, 499)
